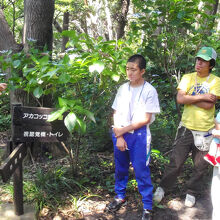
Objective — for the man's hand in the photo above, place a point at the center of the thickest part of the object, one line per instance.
(118, 131)
(3, 86)
(121, 144)
(206, 101)
(209, 97)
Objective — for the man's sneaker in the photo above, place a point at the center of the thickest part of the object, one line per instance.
(115, 205)
(158, 195)
(146, 215)
(190, 200)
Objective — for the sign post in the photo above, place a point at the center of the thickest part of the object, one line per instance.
(29, 124)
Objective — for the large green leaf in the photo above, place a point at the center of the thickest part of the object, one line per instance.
(38, 92)
(70, 121)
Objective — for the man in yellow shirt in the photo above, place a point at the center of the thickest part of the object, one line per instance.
(198, 92)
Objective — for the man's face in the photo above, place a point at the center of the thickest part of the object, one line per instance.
(134, 73)
(202, 66)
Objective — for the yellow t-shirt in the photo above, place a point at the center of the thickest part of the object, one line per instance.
(193, 117)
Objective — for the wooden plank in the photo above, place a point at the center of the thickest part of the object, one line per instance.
(32, 133)
(12, 162)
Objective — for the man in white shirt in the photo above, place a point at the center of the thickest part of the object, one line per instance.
(135, 106)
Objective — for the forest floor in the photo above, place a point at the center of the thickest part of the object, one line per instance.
(171, 208)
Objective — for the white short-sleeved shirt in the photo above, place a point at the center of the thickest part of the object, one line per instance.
(131, 104)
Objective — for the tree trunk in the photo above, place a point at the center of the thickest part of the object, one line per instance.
(109, 21)
(65, 27)
(122, 18)
(38, 19)
(7, 41)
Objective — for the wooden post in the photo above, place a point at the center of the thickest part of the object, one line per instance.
(18, 190)
(18, 181)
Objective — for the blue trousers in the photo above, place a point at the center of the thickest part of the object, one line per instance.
(138, 156)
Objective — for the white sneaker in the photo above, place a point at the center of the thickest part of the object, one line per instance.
(190, 200)
(159, 194)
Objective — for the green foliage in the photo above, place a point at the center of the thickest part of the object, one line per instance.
(14, 14)
(48, 188)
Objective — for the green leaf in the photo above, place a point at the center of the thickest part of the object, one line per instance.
(57, 114)
(71, 34)
(27, 70)
(50, 73)
(38, 92)
(44, 60)
(97, 66)
(155, 151)
(62, 102)
(90, 115)
(34, 59)
(122, 68)
(82, 125)
(70, 121)
(66, 59)
(64, 78)
(16, 63)
(181, 14)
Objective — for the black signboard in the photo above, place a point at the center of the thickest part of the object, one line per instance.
(30, 125)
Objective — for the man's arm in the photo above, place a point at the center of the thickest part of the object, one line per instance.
(3, 86)
(205, 101)
(134, 126)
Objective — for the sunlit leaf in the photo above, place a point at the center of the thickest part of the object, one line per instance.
(70, 121)
(57, 114)
(115, 77)
(97, 66)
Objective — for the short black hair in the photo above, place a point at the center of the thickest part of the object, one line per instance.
(211, 64)
(139, 59)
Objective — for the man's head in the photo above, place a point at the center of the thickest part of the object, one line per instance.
(139, 59)
(135, 69)
(207, 54)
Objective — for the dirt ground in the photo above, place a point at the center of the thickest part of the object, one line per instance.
(171, 208)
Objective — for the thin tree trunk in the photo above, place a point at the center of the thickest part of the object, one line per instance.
(109, 21)
(57, 26)
(122, 18)
(65, 27)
